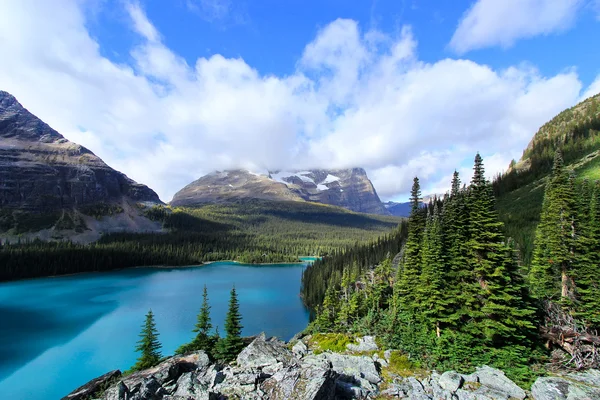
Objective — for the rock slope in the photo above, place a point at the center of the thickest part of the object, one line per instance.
(41, 170)
(348, 188)
(268, 369)
(50, 185)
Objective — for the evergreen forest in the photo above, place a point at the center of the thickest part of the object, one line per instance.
(457, 295)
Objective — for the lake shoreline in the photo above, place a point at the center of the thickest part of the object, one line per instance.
(162, 266)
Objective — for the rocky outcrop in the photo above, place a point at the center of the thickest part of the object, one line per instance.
(582, 385)
(267, 369)
(347, 188)
(42, 172)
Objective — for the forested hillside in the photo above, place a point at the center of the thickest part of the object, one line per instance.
(459, 297)
(249, 231)
(576, 132)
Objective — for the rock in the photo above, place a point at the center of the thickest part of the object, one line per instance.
(582, 386)
(366, 343)
(300, 349)
(451, 381)
(150, 389)
(261, 353)
(169, 370)
(310, 383)
(93, 386)
(498, 382)
(355, 366)
(117, 392)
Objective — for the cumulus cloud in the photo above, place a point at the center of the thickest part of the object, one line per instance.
(356, 98)
(500, 23)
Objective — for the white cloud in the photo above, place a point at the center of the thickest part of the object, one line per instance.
(355, 99)
(592, 90)
(501, 23)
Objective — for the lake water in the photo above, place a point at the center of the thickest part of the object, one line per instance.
(58, 333)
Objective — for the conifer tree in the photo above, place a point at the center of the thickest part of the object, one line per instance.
(203, 339)
(551, 273)
(148, 345)
(408, 279)
(230, 346)
(431, 291)
(325, 321)
(500, 312)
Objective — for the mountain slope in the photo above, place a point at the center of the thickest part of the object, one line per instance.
(43, 175)
(520, 191)
(347, 188)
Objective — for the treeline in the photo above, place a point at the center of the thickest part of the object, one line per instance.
(356, 259)
(248, 232)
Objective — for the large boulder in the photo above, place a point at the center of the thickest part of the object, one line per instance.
(365, 344)
(93, 386)
(496, 381)
(307, 383)
(450, 381)
(583, 386)
(358, 367)
(262, 353)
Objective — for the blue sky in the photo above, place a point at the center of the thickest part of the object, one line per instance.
(166, 91)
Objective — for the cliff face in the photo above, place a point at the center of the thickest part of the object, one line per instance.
(40, 170)
(348, 188)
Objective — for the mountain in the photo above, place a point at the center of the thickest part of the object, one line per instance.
(42, 175)
(520, 191)
(347, 188)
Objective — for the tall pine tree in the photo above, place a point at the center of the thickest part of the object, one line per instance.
(203, 340)
(148, 345)
(230, 346)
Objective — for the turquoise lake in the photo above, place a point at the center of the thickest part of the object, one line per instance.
(58, 333)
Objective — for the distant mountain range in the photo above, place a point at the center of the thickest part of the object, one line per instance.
(347, 188)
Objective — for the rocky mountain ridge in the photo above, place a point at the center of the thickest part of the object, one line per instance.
(347, 188)
(43, 173)
(272, 369)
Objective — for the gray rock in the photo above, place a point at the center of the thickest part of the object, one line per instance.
(117, 392)
(366, 343)
(355, 366)
(261, 353)
(498, 382)
(299, 349)
(93, 386)
(310, 383)
(577, 386)
(451, 381)
(149, 390)
(189, 387)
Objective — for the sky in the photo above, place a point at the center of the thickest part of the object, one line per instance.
(167, 91)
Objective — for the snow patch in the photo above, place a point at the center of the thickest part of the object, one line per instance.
(322, 187)
(279, 176)
(330, 179)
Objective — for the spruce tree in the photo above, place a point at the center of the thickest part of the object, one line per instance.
(203, 339)
(500, 311)
(409, 272)
(551, 272)
(431, 291)
(230, 346)
(148, 345)
(326, 319)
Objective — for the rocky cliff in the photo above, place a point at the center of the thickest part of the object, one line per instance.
(348, 188)
(271, 369)
(41, 172)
